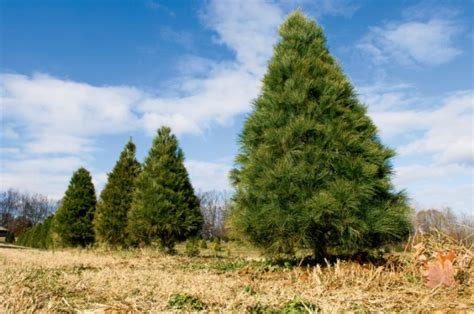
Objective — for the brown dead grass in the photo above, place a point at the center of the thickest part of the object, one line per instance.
(144, 280)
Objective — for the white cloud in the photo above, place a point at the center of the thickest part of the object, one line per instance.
(47, 175)
(45, 143)
(8, 151)
(247, 27)
(153, 5)
(9, 133)
(183, 38)
(99, 179)
(413, 42)
(208, 176)
(60, 117)
(52, 185)
(392, 123)
(435, 143)
(459, 197)
(448, 130)
(48, 105)
(66, 106)
(383, 96)
(215, 99)
(416, 173)
(50, 165)
(427, 9)
(320, 8)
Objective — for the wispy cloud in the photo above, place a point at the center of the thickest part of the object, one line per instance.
(154, 5)
(180, 37)
(446, 132)
(64, 105)
(247, 27)
(429, 42)
(449, 131)
(46, 174)
(208, 176)
(321, 8)
(435, 143)
(432, 134)
(429, 9)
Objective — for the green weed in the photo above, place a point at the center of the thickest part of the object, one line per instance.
(186, 302)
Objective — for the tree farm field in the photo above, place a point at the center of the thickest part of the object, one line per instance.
(310, 218)
(145, 280)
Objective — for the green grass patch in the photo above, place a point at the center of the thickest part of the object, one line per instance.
(186, 302)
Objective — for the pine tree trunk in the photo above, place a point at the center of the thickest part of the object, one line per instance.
(319, 249)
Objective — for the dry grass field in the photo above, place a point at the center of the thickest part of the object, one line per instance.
(146, 281)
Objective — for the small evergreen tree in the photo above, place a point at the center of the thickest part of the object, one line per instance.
(44, 236)
(73, 220)
(192, 247)
(39, 236)
(110, 219)
(26, 237)
(164, 206)
(216, 245)
(21, 240)
(10, 238)
(311, 171)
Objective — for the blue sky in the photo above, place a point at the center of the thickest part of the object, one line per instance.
(77, 78)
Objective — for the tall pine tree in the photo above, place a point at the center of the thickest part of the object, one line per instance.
(110, 219)
(311, 171)
(164, 207)
(73, 220)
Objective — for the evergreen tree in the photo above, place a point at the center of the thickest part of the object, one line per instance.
(311, 171)
(10, 238)
(164, 206)
(73, 220)
(110, 219)
(39, 236)
(44, 236)
(23, 238)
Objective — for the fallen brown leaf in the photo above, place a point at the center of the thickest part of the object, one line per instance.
(440, 271)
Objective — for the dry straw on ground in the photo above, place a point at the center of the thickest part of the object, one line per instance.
(147, 281)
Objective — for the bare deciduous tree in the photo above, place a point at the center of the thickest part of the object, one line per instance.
(432, 221)
(215, 207)
(21, 210)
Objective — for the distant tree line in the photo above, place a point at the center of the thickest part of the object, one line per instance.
(21, 210)
(434, 222)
